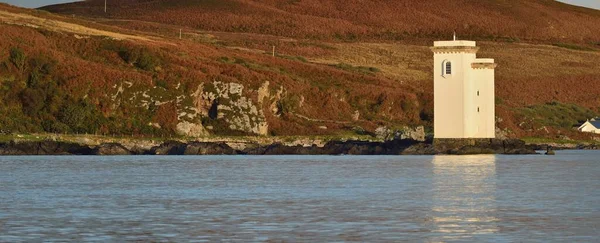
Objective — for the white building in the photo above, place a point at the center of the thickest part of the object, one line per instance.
(592, 126)
(463, 91)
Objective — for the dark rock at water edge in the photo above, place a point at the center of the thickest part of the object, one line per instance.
(111, 149)
(565, 146)
(351, 147)
(43, 148)
(481, 146)
(193, 148)
(169, 148)
(206, 148)
(394, 147)
(588, 146)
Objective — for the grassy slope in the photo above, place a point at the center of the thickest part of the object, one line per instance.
(89, 69)
(529, 75)
(535, 20)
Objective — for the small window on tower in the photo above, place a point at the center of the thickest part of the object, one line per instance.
(477, 109)
(448, 68)
(477, 92)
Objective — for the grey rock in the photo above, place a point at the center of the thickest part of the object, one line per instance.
(43, 148)
(111, 149)
(169, 148)
(202, 148)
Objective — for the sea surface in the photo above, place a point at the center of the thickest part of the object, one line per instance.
(484, 198)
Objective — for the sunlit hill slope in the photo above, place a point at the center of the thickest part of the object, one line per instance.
(339, 68)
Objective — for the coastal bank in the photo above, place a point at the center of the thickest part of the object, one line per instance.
(240, 147)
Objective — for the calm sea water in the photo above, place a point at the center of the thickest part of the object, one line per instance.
(302, 198)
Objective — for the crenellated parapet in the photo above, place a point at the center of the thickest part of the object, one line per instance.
(454, 49)
(482, 65)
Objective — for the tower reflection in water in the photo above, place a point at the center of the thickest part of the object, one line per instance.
(464, 202)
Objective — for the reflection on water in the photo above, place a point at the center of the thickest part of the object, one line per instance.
(301, 198)
(463, 202)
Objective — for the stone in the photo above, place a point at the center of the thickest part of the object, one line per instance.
(47, 147)
(203, 148)
(263, 93)
(111, 149)
(356, 115)
(482, 146)
(189, 129)
(169, 148)
(386, 134)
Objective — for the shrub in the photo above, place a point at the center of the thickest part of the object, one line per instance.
(499, 101)
(18, 58)
(161, 83)
(146, 61)
(128, 55)
(33, 101)
(141, 58)
(43, 64)
(54, 126)
(80, 116)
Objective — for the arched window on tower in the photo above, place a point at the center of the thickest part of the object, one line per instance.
(446, 68)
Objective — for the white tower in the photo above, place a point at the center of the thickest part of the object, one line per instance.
(464, 101)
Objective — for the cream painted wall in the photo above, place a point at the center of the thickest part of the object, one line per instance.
(458, 111)
(587, 127)
(483, 82)
(448, 96)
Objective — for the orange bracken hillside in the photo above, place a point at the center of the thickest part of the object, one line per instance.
(526, 20)
(334, 74)
(66, 78)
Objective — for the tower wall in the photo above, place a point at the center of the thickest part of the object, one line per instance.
(484, 103)
(463, 101)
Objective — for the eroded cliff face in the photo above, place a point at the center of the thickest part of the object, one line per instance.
(213, 106)
(227, 105)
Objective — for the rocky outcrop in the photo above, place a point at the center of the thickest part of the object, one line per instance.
(588, 146)
(203, 148)
(43, 148)
(111, 149)
(169, 148)
(191, 129)
(232, 107)
(350, 147)
(557, 146)
(481, 146)
(394, 147)
(417, 133)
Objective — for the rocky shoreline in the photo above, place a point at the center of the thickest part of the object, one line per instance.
(350, 147)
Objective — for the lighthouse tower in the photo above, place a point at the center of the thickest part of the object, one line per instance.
(463, 91)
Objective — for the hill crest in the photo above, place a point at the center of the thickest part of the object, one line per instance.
(527, 20)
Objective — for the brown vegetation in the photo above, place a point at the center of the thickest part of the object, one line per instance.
(538, 20)
(388, 84)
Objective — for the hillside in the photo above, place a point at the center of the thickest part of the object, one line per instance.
(57, 78)
(527, 20)
(61, 74)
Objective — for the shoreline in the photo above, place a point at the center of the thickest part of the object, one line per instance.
(333, 147)
(51, 144)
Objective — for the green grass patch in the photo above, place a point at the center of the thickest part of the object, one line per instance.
(538, 140)
(557, 114)
(574, 47)
(359, 69)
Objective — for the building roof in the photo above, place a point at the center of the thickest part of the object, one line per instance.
(455, 43)
(595, 124)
